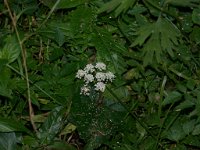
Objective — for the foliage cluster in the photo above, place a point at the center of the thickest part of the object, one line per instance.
(152, 47)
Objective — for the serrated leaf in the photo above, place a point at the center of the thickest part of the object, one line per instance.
(160, 37)
(10, 125)
(183, 3)
(172, 98)
(118, 6)
(11, 50)
(8, 141)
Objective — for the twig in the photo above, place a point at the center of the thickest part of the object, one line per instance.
(31, 111)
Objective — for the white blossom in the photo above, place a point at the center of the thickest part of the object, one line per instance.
(88, 78)
(85, 90)
(94, 76)
(110, 76)
(100, 76)
(81, 73)
(100, 86)
(100, 66)
(89, 68)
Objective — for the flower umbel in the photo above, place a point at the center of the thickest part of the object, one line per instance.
(94, 76)
(100, 86)
(80, 74)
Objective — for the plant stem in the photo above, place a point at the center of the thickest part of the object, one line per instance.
(31, 111)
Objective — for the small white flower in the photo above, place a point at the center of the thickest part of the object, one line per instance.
(110, 76)
(89, 68)
(85, 90)
(80, 74)
(100, 86)
(100, 66)
(100, 76)
(88, 78)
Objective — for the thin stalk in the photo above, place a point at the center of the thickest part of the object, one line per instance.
(23, 51)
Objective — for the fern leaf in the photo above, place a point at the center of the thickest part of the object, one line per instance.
(157, 38)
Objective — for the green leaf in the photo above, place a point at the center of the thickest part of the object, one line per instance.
(195, 35)
(8, 141)
(59, 37)
(157, 39)
(176, 132)
(82, 19)
(196, 130)
(118, 6)
(183, 3)
(172, 98)
(188, 126)
(51, 126)
(10, 125)
(109, 50)
(11, 50)
(94, 122)
(5, 82)
(192, 140)
(196, 16)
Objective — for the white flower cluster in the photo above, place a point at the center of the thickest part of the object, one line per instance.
(94, 74)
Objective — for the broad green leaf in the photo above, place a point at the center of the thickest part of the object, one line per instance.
(11, 50)
(118, 6)
(183, 3)
(172, 98)
(10, 125)
(189, 126)
(8, 141)
(176, 132)
(59, 37)
(157, 39)
(51, 126)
